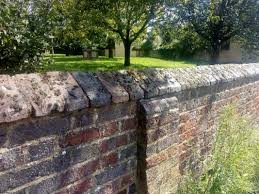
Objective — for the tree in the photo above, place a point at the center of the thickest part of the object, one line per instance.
(126, 18)
(218, 21)
(180, 39)
(73, 28)
(24, 28)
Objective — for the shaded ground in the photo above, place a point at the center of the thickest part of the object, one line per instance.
(77, 63)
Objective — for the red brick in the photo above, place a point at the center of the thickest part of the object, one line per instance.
(80, 137)
(90, 135)
(156, 159)
(82, 186)
(121, 140)
(127, 180)
(110, 159)
(109, 129)
(187, 135)
(78, 173)
(112, 143)
(161, 120)
(129, 124)
(172, 151)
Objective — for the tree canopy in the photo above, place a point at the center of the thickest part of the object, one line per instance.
(128, 19)
(218, 21)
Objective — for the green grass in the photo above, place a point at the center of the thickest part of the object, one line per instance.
(77, 63)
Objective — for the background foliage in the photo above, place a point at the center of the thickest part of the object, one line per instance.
(24, 34)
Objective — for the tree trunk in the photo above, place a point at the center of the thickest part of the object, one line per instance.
(111, 45)
(110, 52)
(214, 55)
(127, 47)
(67, 51)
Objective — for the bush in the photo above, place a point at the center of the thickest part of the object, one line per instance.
(232, 167)
(24, 28)
(180, 42)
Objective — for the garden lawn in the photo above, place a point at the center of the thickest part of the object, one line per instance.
(77, 63)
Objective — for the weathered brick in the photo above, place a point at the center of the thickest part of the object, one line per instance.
(163, 119)
(110, 159)
(74, 155)
(60, 163)
(117, 111)
(15, 179)
(12, 158)
(111, 173)
(128, 152)
(127, 180)
(3, 137)
(41, 150)
(112, 143)
(129, 124)
(156, 159)
(162, 131)
(132, 137)
(109, 129)
(33, 130)
(65, 178)
(77, 138)
(83, 186)
(83, 118)
(79, 187)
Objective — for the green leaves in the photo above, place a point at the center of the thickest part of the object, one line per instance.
(24, 31)
(219, 21)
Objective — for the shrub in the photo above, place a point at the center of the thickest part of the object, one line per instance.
(24, 28)
(231, 167)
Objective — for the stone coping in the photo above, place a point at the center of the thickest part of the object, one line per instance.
(36, 95)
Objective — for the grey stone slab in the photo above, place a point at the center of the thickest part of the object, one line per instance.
(256, 67)
(129, 83)
(233, 69)
(182, 77)
(157, 106)
(146, 83)
(219, 72)
(43, 98)
(191, 77)
(13, 105)
(165, 82)
(119, 94)
(73, 96)
(208, 74)
(96, 92)
(156, 82)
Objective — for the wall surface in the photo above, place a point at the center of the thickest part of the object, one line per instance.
(235, 54)
(125, 132)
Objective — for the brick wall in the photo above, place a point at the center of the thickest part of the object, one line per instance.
(121, 133)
